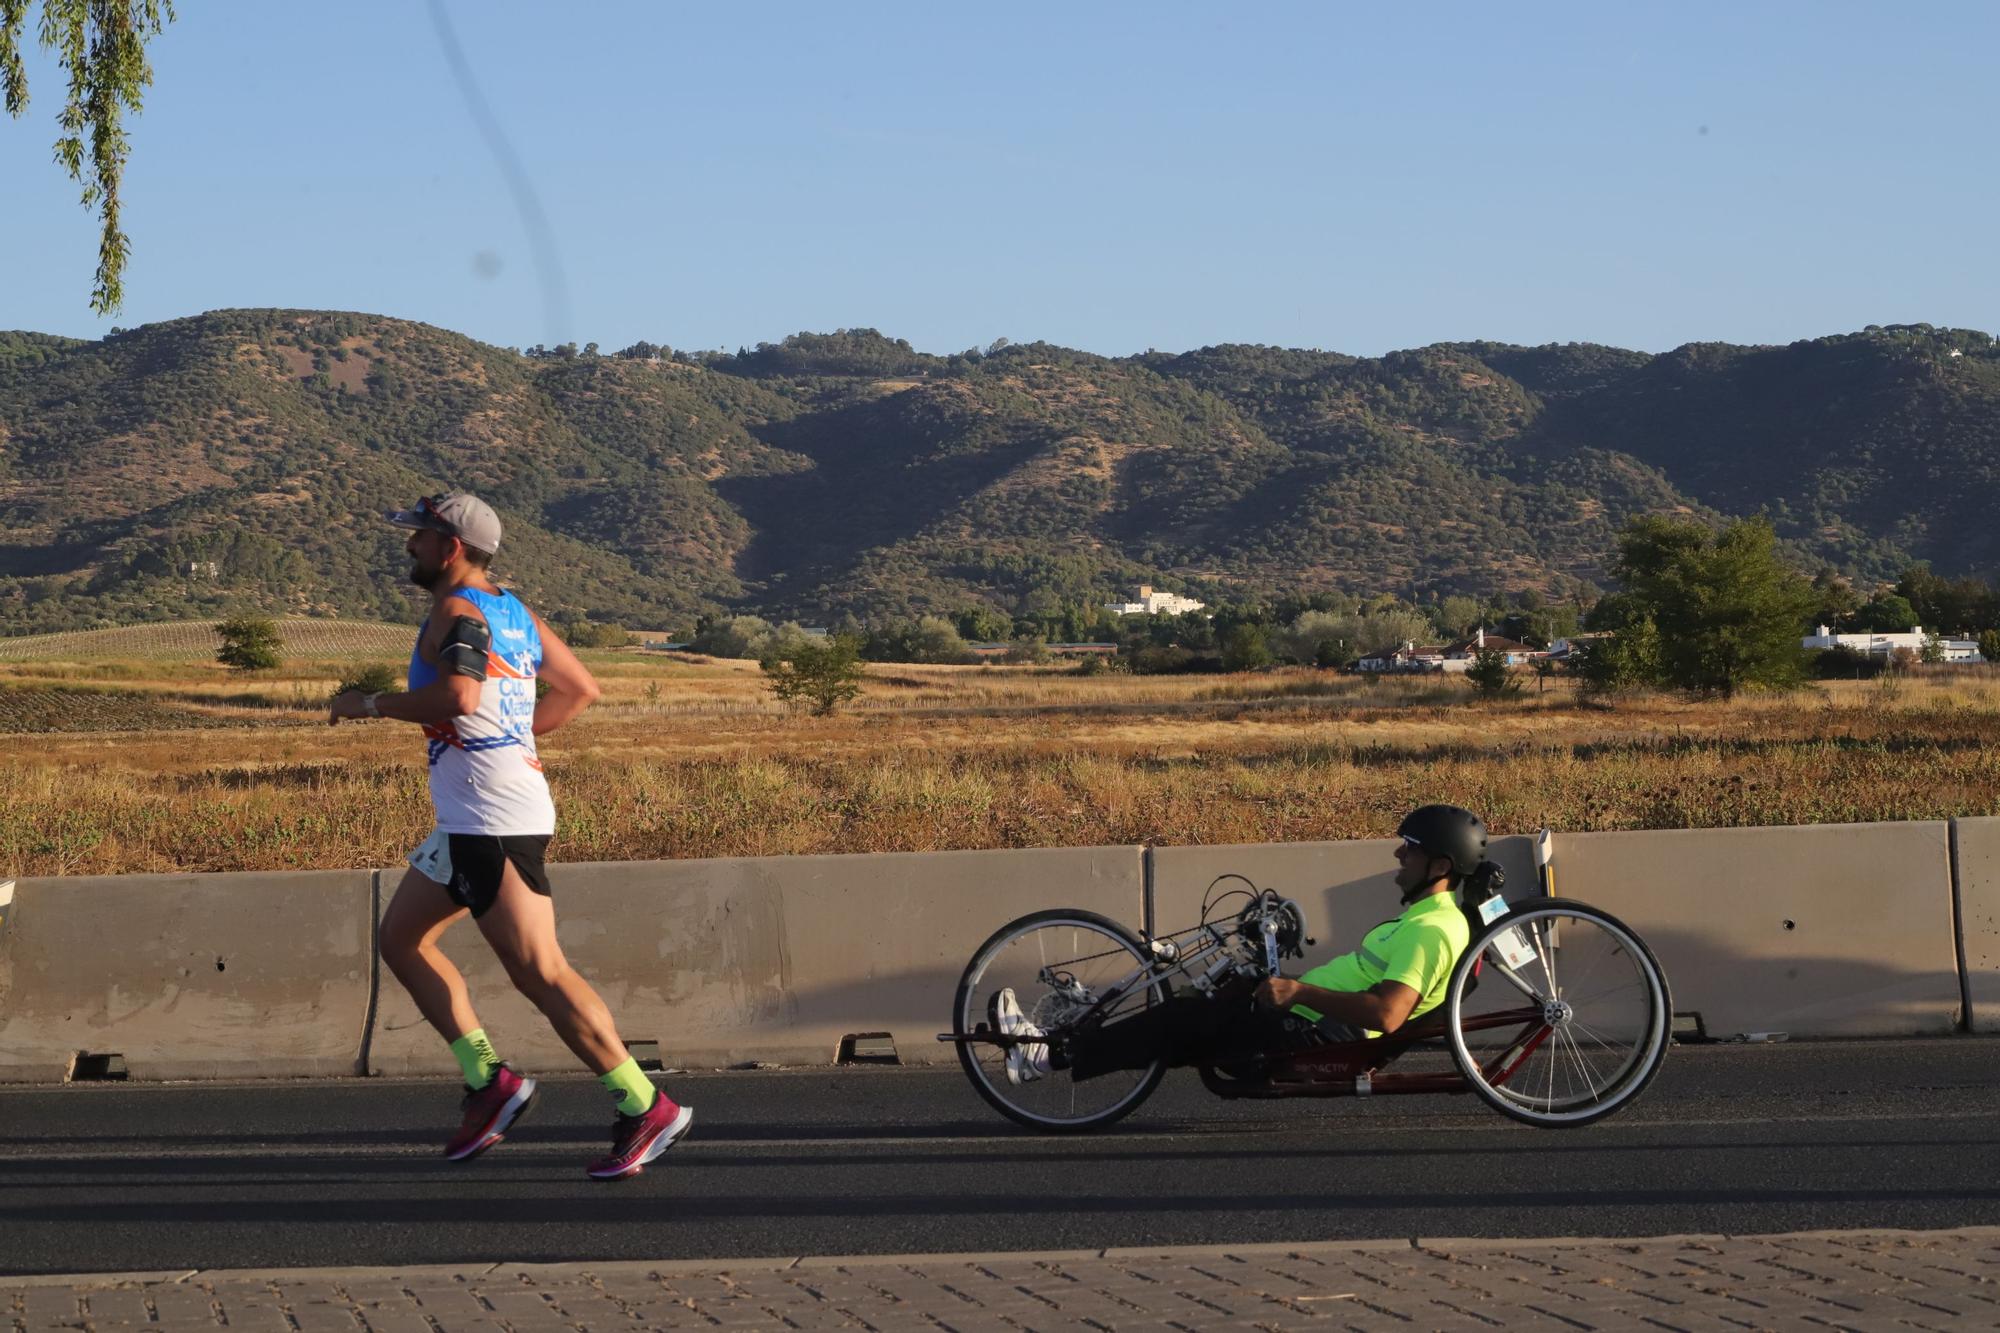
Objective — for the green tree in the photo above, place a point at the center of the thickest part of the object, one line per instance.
(983, 624)
(1457, 615)
(1028, 649)
(1728, 610)
(936, 640)
(1244, 649)
(736, 636)
(823, 673)
(1628, 660)
(1989, 644)
(101, 46)
(1891, 613)
(1932, 651)
(1837, 600)
(1490, 674)
(249, 643)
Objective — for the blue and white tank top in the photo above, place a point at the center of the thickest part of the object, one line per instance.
(485, 776)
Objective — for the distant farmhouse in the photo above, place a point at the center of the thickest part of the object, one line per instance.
(1881, 645)
(1152, 602)
(1574, 646)
(1450, 658)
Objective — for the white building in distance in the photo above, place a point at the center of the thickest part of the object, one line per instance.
(1881, 645)
(1152, 602)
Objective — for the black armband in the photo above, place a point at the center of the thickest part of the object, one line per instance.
(463, 652)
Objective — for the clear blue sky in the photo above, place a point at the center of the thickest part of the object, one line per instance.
(1107, 176)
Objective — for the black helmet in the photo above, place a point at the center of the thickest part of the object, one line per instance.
(1449, 831)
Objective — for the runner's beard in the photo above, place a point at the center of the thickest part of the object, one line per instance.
(424, 578)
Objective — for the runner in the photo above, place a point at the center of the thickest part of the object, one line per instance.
(479, 657)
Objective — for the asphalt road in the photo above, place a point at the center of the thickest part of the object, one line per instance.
(1729, 1139)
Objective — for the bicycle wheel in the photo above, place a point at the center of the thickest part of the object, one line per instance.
(1060, 964)
(1571, 1018)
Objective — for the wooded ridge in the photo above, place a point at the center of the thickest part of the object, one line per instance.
(242, 458)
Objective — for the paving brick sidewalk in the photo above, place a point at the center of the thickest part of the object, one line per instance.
(1863, 1280)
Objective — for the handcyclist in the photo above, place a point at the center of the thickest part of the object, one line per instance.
(479, 658)
(1399, 973)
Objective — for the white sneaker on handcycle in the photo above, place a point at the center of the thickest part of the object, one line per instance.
(1028, 1060)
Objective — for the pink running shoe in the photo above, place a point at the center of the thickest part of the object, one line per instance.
(638, 1139)
(490, 1112)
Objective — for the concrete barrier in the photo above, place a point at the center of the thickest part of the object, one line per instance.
(1976, 847)
(1834, 930)
(771, 959)
(187, 976)
(1345, 889)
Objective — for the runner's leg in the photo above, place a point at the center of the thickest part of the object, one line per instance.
(521, 927)
(496, 1097)
(417, 919)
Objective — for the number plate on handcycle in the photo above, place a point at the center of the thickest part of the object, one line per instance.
(1512, 947)
(1492, 910)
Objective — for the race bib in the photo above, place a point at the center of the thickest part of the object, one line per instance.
(432, 857)
(1510, 945)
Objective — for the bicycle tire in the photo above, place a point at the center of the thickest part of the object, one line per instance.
(1037, 1105)
(1641, 1014)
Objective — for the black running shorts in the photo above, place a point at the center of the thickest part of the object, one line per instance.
(477, 860)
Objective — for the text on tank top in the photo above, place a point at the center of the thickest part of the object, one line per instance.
(485, 775)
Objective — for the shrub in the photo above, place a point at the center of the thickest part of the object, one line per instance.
(374, 678)
(1245, 649)
(824, 673)
(1629, 659)
(1028, 648)
(1843, 663)
(737, 636)
(249, 643)
(1490, 674)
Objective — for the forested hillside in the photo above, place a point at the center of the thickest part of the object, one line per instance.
(242, 458)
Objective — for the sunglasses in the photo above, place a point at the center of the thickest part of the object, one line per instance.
(426, 510)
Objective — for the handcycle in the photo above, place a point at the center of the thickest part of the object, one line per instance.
(1556, 1014)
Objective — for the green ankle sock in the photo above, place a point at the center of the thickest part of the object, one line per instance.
(476, 1058)
(631, 1088)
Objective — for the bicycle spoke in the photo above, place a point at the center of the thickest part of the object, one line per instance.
(1062, 970)
(1616, 987)
(1545, 951)
(1602, 1046)
(1576, 982)
(1515, 979)
(1582, 1065)
(1593, 1034)
(1550, 1100)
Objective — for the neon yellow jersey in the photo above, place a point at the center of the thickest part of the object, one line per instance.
(1417, 949)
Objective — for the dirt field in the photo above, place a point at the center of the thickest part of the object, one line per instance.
(115, 766)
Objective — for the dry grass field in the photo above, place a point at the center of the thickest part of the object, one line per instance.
(116, 763)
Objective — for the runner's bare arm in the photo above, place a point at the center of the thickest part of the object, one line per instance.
(571, 686)
(449, 696)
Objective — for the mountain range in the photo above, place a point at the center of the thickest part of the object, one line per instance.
(243, 458)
